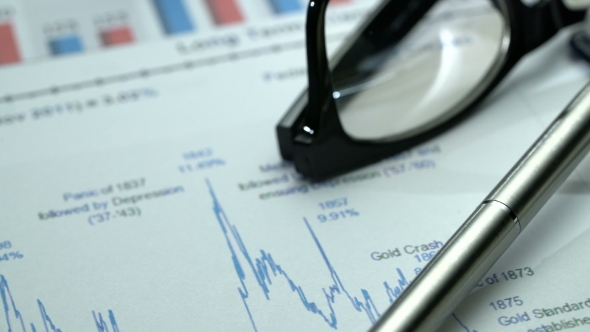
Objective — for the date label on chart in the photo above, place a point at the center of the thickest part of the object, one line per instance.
(102, 217)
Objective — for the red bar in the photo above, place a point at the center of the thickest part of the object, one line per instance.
(116, 36)
(225, 11)
(339, 1)
(8, 49)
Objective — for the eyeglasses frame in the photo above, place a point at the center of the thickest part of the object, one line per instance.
(311, 134)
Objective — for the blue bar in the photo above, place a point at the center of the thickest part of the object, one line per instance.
(285, 6)
(66, 45)
(174, 16)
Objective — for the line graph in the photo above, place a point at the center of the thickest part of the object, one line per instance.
(463, 326)
(14, 318)
(264, 269)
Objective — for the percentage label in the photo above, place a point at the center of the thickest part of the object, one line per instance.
(337, 215)
(11, 256)
(5, 245)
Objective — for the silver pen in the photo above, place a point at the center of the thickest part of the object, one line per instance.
(494, 225)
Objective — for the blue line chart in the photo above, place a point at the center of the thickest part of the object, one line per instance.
(265, 270)
(102, 326)
(463, 326)
(11, 313)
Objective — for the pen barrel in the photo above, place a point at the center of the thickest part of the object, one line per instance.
(548, 162)
(453, 272)
(494, 225)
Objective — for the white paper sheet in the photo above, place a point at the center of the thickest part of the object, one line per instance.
(144, 191)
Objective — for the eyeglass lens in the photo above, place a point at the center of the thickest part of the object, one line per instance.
(425, 78)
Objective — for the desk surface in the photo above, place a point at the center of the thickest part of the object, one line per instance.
(142, 189)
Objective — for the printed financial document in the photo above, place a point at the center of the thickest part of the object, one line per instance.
(142, 189)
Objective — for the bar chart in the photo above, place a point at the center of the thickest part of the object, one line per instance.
(63, 38)
(286, 6)
(174, 16)
(9, 52)
(66, 45)
(225, 11)
(114, 29)
(116, 36)
(60, 28)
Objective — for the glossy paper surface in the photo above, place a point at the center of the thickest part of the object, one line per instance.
(141, 188)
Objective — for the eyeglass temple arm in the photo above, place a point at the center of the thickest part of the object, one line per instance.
(320, 82)
(545, 20)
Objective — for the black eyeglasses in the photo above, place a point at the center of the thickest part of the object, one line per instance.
(414, 69)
